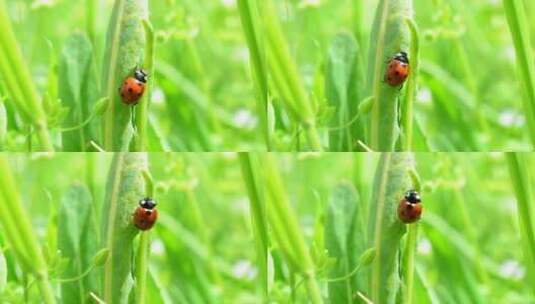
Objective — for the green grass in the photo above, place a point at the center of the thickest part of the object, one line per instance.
(212, 105)
(472, 244)
(69, 237)
(462, 94)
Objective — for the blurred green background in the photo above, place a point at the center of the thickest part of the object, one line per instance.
(203, 98)
(202, 247)
(469, 247)
(469, 96)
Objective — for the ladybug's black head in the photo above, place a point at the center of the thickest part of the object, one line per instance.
(402, 56)
(147, 203)
(412, 197)
(141, 75)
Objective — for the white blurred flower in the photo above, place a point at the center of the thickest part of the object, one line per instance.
(243, 118)
(228, 3)
(424, 96)
(512, 269)
(424, 247)
(244, 269)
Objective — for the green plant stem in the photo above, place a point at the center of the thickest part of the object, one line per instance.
(258, 216)
(286, 228)
(286, 77)
(407, 112)
(249, 15)
(19, 83)
(142, 265)
(520, 178)
(124, 50)
(518, 25)
(20, 234)
(143, 105)
(390, 35)
(410, 249)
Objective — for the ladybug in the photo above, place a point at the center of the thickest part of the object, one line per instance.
(410, 207)
(398, 69)
(145, 215)
(133, 87)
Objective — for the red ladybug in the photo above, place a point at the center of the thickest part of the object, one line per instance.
(398, 69)
(146, 214)
(133, 87)
(410, 207)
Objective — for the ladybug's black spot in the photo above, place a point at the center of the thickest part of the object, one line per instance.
(397, 73)
(130, 90)
(148, 212)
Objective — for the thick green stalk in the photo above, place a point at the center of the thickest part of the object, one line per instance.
(407, 112)
(19, 83)
(520, 178)
(286, 228)
(390, 35)
(19, 233)
(125, 187)
(124, 52)
(518, 25)
(143, 105)
(142, 266)
(285, 75)
(249, 16)
(249, 166)
(385, 230)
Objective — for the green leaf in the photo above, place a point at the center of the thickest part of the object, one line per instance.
(384, 228)
(125, 47)
(340, 79)
(77, 89)
(389, 36)
(125, 187)
(77, 241)
(344, 240)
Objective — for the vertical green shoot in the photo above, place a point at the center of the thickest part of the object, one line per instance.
(518, 25)
(19, 83)
(249, 166)
(390, 35)
(142, 107)
(407, 111)
(285, 75)
(249, 16)
(20, 235)
(286, 229)
(520, 178)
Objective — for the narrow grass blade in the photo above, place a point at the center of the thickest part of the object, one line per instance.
(518, 25)
(384, 228)
(18, 231)
(345, 240)
(285, 75)
(286, 229)
(520, 178)
(249, 17)
(407, 119)
(142, 268)
(19, 83)
(77, 241)
(140, 141)
(390, 35)
(77, 86)
(124, 189)
(249, 166)
(124, 52)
